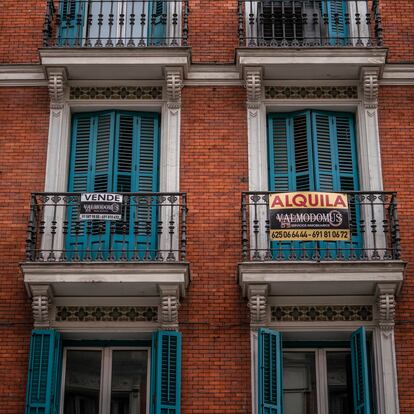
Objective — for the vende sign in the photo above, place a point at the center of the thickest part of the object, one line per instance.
(100, 206)
(309, 216)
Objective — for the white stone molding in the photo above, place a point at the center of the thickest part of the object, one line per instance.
(370, 86)
(56, 85)
(168, 309)
(254, 87)
(174, 80)
(258, 306)
(384, 347)
(41, 301)
(386, 307)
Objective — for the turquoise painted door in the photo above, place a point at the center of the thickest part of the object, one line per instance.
(166, 373)
(157, 23)
(313, 151)
(336, 12)
(43, 383)
(71, 27)
(114, 151)
(270, 372)
(360, 372)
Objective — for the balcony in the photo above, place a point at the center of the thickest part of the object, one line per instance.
(323, 35)
(352, 267)
(138, 34)
(130, 256)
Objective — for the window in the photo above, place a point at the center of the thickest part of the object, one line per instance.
(106, 379)
(310, 23)
(103, 23)
(114, 151)
(315, 151)
(309, 380)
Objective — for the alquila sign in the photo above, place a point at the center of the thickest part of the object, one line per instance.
(100, 206)
(309, 216)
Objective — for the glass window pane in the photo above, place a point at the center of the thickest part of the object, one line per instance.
(82, 382)
(129, 382)
(339, 382)
(299, 383)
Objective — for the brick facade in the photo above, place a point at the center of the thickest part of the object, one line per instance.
(214, 171)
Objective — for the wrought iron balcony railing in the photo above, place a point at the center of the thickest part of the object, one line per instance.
(152, 228)
(116, 23)
(373, 223)
(309, 23)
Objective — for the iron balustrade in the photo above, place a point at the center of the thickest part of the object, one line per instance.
(309, 23)
(374, 226)
(152, 228)
(116, 23)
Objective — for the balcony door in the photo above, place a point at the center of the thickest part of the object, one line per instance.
(314, 151)
(114, 152)
(308, 22)
(111, 23)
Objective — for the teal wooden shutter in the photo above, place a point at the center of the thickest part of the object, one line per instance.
(337, 26)
(136, 170)
(72, 16)
(290, 152)
(360, 373)
(336, 168)
(91, 170)
(157, 23)
(166, 373)
(43, 385)
(270, 375)
(290, 165)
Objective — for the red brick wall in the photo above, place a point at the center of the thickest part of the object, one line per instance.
(21, 30)
(213, 30)
(398, 25)
(213, 318)
(396, 118)
(24, 118)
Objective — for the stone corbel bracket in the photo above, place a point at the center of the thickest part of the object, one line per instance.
(254, 87)
(42, 297)
(258, 306)
(386, 307)
(174, 84)
(56, 84)
(370, 86)
(168, 308)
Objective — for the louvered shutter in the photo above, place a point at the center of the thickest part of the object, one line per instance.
(336, 168)
(43, 385)
(270, 375)
(360, 373)
(91, 170)
(166, 373)
(157, 23)
(337, 26)
(290, 166)
(72, 14)
(290, 152)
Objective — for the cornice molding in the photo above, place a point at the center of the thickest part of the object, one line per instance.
(57, 79)
(254, 86)
(174, 80)
(370, 86)
(168, 309)
(258, 305)
(41, 301)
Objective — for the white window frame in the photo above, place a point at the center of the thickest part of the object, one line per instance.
(59, 143)
(106, 374)
(384, 391)
(251, 31)
(321, 373)
(367, 143)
